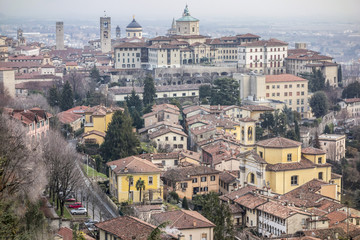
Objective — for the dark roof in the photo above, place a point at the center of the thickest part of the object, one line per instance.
(278, 142)
(134, 24)
(186, 173)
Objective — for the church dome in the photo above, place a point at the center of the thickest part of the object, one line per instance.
(134, 24)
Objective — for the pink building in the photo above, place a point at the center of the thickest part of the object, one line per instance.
(35, 120)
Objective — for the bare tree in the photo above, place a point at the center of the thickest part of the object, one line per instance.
(78, 82)
(22, 169)
(61, 160)
(33, 100)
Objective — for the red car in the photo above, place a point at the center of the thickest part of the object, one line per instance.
(76, 205)
(70, 200)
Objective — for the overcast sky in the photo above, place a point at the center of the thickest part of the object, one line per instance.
(330, 10)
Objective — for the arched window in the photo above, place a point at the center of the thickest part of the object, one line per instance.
(252, 178)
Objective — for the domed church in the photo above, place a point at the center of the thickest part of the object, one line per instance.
(134, 29)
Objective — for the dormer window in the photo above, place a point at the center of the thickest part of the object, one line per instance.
(289, 157)
(320, 160)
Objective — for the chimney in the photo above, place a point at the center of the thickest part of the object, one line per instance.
(125, 169)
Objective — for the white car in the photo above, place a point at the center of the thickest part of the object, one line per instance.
(78, 211)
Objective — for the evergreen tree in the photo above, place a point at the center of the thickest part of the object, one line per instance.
(53, 98)
(339, 74)
(225, 92)
(204, 91)
(290, 134)
(297, 130)
(67, 98)
(185, 204)
(140, 185)
(217, 212)
(316, 80)
(120, 140)
(149, 91)
(352, 91)
(327, 130)
(357, 199)
(95, 75)
(316, 143)
(135, 107)
(319, 104)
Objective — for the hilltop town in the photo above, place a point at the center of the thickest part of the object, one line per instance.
(179, 136)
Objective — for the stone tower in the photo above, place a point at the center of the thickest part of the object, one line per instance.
(60, 36)
(21, 39)
(118, 33)
(105, 34)
(172, 30)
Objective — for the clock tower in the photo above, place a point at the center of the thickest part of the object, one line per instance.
(105, 34)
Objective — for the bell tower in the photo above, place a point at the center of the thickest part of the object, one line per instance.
(118, 33)
(59, 35)
(105, 34)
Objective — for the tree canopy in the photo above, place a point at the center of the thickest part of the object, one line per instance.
(319, 104)
(120, 140)
(352, 91)
(316, 80)
(53, 97)
(149, 91)
(225, 91)
(135, 107)
(67, 98)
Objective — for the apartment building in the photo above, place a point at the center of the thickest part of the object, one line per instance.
(130, 55)
(352, 106)
(301, 61)
(291, 90)
(164, 55)
(334, 145)
(264, 56)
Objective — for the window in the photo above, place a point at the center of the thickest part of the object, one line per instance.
(203, 179)
(302, 93)
(273, 86)
(203, 236)
(278, 86)
(261, 154)
(267, 95)
(182, 138)
(285, 86)
(320, 160)
(150, 180)
(183, 185)
(184, 94)
(252, 178)
(290, 94)
(273, 94)
(38, 125)
(290, 86)
(289, 157)
(193, 93)
(212, 178)
(285, 94)
(163, 162)
(194, 180)
(278, 94)
(320, 175)
(166, 138)
(294, 180)
(174, 138)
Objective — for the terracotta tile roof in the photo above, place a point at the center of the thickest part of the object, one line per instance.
(163, 46)
(235, 208)
(66, 233)
(132, 164)
(36, 75)
(329, 205)
(193, 109)
(336, 217)
(95, 132)
(67, 117)
(252, 156)
(227, 177)
(351, 100)
(308, 57)
(100, 110)
(306, 195)
(266, 43)
(156, 156)
(335, 176)
(278, 142)
(312, 151)
(127, 228)
(322, 64)
(161, 124)
(278, 210)
(240, 192)
(78, 109)
(302, 164)
(147, 208)
(33, 115)
(258, 108)
(183, 219)
(71, 64)
(164, 106)
(248, 35)
(190, 154)
(35, 85)
(203, 129)
(283, 78)
(131, 45)
(186, 173)
(165, 131)
(249, 200)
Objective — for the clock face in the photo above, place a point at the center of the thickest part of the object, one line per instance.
(105, 24)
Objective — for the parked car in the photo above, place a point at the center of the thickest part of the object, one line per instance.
(70, 200)
(90, 223)
(76, 205)
(78, 211)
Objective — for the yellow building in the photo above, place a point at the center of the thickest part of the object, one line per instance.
(281, 165)
(126, 172)
(97, 120)
(291, 90)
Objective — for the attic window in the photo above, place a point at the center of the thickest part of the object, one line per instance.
(289, 157)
